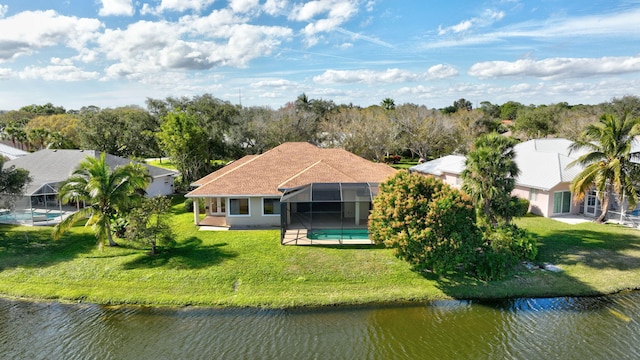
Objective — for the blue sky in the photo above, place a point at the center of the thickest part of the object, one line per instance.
(112, 53)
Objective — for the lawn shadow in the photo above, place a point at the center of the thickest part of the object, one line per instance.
(29, 247)
(607, 248)
(190, 254)
(595, 249)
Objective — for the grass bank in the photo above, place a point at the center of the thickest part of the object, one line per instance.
(251, 268)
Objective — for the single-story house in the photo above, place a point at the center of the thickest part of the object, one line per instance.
(10, 152)
(295, 185)
(48, 168)
(544, 177)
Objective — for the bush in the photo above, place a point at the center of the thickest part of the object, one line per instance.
(520, 206)
(426, 222)
(503, 248)
(188, 205)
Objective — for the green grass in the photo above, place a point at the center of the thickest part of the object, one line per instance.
(251, 268)
(164, 163)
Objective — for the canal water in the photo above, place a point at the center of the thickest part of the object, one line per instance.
(554, 328)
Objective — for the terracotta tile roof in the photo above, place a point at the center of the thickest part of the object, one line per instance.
(286, 166)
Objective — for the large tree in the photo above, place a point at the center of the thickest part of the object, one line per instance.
(183, 140)
(125, 131)
(105, 191)
(609, 165)
(426, 222)
(490, 176)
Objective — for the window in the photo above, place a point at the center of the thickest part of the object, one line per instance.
(533, 194)
(271, 206)
(238, 206)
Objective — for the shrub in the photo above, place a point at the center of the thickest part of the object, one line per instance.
(426, 222)
(503, 248)
(188, 205)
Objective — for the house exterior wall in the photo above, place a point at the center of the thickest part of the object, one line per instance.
(575, 208)
(452, 179)
(538, 199)
(255, 217)
(160, 186)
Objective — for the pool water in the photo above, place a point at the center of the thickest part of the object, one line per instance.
(27, 216)
(337, 234)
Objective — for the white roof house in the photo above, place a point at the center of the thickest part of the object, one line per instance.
(544, 177)
(48, 168)
(10, 152)
(447, 164)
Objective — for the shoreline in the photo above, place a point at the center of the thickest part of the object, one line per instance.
(335, 306)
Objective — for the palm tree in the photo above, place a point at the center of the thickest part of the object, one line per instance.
(609, 163)
(388, 104)
(104, 191)
(490, 175)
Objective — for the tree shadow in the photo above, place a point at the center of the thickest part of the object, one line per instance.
(595, 249)
(603, 249)
(190, 254)
(22, 246)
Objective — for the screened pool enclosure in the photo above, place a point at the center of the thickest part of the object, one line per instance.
(39, 206)
(342, 208)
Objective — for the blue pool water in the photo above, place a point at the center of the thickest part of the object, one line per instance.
(337, 234)
(27, 216)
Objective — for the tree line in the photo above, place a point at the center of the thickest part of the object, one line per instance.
(196, 130)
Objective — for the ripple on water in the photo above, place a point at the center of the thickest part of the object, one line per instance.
(568, 328)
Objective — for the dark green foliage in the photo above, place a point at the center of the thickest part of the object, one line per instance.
(181, 138)
(12, 183)
(425, 221)
(489, 176)
(503, 248)
(148, 223)
(188, 205)
(519, 206)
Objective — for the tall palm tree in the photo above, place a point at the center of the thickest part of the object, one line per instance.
(490, 175)
(104, 191)
(609, 164)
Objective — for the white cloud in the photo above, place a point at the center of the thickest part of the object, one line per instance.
(184, 5)
(6, 73)
(116, 7)
(365, 76)
(557, 67)
(243, 6)
(193, 43)
(28, 31)
(621, 25)
(389, 76)
(332, 13)
(275, 7)
(487, 18)
(3, 10)
(281, 84)
(441, 71)
(57, 73)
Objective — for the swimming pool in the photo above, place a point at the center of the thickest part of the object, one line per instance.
(337, 234)
(26, 216)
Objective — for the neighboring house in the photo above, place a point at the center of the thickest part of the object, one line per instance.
(9, 152)
(48, 168)
(544, 177)
(296, 185)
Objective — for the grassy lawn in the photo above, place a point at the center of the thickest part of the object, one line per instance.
(251, 268)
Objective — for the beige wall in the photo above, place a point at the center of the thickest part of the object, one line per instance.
(255, 217)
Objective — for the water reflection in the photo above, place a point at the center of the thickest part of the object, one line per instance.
(568, 328)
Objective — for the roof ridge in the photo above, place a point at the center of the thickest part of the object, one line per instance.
(234, 169)
(299, 173)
